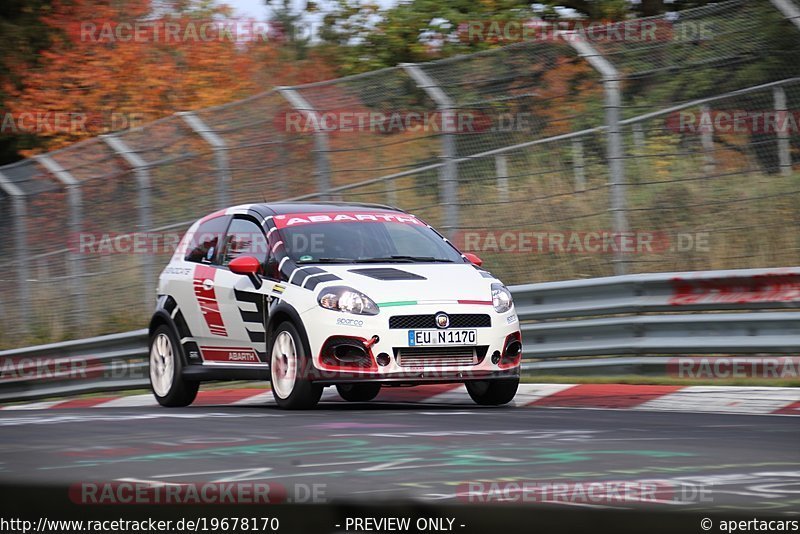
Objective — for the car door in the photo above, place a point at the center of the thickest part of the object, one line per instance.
(195, 293)
(241, 304)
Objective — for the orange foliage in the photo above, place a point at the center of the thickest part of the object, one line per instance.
(113, 65)
(567, 89)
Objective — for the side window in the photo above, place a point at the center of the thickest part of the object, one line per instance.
(204, 244)
(244, 238)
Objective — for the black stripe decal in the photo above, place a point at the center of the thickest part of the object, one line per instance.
(170, 305)
(304, 272)
(312, 282)
(180, 324)
(257, 337)
(248, 296)
(287, 269)
(252, 317)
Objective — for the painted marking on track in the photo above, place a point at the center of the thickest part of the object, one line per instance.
(252, 474)
(224, 396)
(264, 398)
(529, 393)
(32, 406)
(448, 413)
(82, 403)
(151, 482)
(246, 474)
(605, 395)
(718, 399)
(118, 418)
(130, 401)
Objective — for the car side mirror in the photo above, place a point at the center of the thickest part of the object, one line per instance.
(248, 266)
(473, 258)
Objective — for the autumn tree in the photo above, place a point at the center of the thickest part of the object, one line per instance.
(23, 35)
(118, 64)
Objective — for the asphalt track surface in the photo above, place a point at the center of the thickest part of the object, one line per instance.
(382, 452)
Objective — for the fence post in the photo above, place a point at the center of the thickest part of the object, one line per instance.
(141, 171)
(501, 169)
(282, 185)
(578, 164)
(616, 156)
(640, 144)
(321, 147)
(792, 13)
(75, 199)
(220, 149)
(638, 136)
(448, 175)
(19, 210)
(789, 10)
(707, 142)
(784, 147)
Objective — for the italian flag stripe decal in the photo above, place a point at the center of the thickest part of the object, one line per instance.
(397, 303)
(414, 303)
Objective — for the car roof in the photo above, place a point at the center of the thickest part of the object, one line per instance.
(282, 208)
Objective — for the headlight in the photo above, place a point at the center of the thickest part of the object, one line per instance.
(346, 299)
(501, 298)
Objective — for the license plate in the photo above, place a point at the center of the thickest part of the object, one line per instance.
(421, 338)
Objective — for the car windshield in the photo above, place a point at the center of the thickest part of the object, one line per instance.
(341, 238)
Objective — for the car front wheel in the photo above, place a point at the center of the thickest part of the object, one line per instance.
(493, 392)
(168, 387)
(289, 366)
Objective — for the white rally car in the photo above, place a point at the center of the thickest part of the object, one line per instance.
(358, 296)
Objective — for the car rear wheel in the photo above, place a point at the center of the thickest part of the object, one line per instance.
(493, 392)
(289, 366)
(359, 392)
(166, 364)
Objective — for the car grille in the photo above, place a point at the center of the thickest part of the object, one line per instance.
(439, 356)
(457, 320)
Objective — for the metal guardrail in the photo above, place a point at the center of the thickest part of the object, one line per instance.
(104, 363)
(751, 311)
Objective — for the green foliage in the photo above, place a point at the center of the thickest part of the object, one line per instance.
(362, 37)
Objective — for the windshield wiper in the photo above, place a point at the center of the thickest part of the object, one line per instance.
(327, 260)
(401, 258)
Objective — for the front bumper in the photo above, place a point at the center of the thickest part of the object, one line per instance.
(409, 378)
(384, 346)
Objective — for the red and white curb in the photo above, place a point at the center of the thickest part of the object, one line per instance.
(710, 399)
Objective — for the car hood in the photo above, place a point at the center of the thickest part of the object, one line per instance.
(420, 282)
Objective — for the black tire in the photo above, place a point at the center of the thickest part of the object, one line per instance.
(291, 392)
(166, 356)
(493, 392)
(359, 392)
